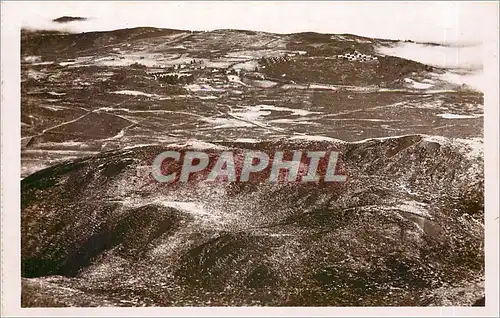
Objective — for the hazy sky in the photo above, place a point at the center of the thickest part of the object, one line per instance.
(419, 21)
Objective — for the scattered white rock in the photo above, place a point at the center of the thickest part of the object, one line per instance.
(247, 140)
(457, 116)
(67, 63)
(313, 138)
(32, 59)
(56, 94)
(208, 97)
(134, 93)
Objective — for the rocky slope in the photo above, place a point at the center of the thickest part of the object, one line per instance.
(404, 229)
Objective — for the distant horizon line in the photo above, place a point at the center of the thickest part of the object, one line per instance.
(59, 27)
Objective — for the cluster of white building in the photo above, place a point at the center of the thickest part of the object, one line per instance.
(170, 77)
(357, 56)
(193, 65)
(276, 59)
(233, 71)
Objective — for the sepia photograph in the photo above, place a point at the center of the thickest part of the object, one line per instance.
(250, 154)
